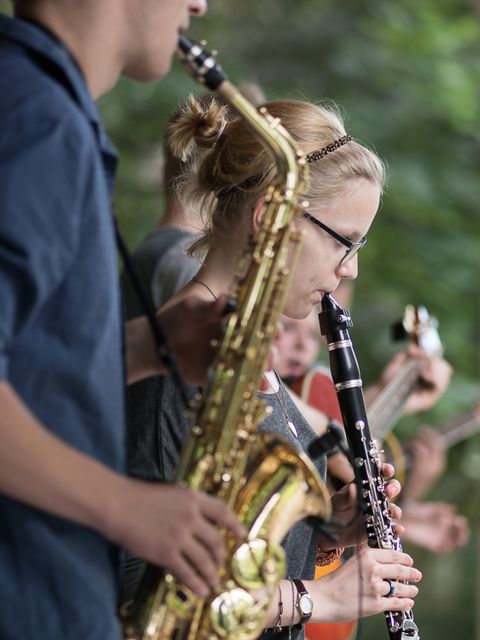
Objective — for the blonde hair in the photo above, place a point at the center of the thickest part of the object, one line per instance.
(233, 170)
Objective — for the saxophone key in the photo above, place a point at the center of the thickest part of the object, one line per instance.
(257, 563)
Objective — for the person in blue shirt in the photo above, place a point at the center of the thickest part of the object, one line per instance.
(66, 506)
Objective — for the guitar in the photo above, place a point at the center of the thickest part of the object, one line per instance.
(387, 406)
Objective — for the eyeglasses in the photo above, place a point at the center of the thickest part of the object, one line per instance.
(352, 247)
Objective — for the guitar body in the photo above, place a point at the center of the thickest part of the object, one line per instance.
(316, 389)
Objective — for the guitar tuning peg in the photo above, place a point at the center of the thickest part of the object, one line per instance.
(203, 43)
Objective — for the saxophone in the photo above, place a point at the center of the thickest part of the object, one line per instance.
(334, 322)
(268, 484)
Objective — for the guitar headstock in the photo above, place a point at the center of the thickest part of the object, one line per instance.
(420, 328)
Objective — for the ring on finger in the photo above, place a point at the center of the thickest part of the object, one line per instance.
(392, 584)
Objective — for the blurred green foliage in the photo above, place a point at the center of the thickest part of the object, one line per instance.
(407, 79)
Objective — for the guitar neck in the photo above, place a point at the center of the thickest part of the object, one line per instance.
(460, 428)
(387, 406)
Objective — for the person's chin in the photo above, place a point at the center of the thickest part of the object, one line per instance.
(296, 371)
(146, 73)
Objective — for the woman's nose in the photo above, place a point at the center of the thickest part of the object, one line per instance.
(198, 7)
(348, 270)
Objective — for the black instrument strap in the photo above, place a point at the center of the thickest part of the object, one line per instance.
(164, 350)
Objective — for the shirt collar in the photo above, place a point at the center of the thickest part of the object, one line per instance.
(47, 46)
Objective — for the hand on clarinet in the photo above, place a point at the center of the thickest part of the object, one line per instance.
(362, 584)
(346, 512)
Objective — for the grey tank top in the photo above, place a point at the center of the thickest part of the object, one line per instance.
(158, 427)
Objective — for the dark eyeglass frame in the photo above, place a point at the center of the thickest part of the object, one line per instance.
(352, 247)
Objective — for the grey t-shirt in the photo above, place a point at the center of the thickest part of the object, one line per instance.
(157, 429)
(163, 265)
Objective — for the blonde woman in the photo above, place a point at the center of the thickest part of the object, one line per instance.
(230, 176)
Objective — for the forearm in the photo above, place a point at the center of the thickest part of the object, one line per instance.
(315, 418)
(415, 488)
(141, 354)
(325, 608)
(39, 469)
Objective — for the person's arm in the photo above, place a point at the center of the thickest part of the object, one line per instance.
(359, 584)
(190, 325)
(167, 525)
(338, 465)
(435, 526)
(315, 418)
(428, 454)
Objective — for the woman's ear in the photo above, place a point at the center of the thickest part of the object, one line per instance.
(258, 212)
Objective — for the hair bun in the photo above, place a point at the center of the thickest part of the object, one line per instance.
(198, 123)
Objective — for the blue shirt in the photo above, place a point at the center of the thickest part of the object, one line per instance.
(60, 327)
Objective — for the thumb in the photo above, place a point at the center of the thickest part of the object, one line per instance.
(352, 491)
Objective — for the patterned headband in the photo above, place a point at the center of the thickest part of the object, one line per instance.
(311, 157)
(329, 148)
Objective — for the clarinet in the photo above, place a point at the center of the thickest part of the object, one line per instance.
(334, 322)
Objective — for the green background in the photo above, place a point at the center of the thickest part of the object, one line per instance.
(407, 78)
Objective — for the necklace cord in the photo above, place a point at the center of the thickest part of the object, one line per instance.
(204, 284)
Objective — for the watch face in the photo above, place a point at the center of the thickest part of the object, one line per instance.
(306, 605)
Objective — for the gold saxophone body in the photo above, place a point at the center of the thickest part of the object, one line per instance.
(264, 479)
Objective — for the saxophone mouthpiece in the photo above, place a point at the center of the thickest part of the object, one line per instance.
(200, 63)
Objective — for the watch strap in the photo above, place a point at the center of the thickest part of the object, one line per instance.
(302, 591)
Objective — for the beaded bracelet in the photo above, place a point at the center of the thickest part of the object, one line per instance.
(325, 558)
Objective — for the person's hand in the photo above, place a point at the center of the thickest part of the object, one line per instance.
(428, 453)
(361, 585)
(346, 513)
(192, 327)
(435, 374)
(435, 526)
(172, 527)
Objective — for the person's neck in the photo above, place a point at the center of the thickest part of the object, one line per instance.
(218, 270)
(84, 33)
(175, 216)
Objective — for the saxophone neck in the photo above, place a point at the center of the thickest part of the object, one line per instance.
(291, 166)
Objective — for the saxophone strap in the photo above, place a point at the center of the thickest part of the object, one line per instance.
(164, 350)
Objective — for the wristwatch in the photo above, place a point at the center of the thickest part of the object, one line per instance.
(304, 601)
